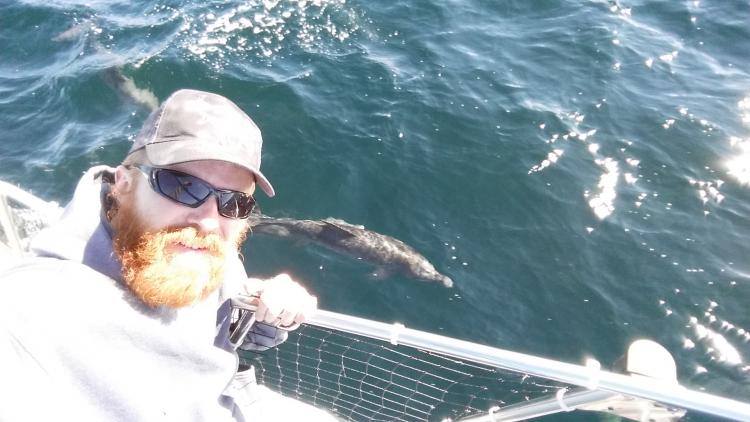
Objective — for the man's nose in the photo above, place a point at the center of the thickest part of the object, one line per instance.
(206, 216)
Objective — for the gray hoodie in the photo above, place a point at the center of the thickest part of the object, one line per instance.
(76, 345)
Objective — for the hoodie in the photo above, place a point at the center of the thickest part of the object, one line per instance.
(75, 344)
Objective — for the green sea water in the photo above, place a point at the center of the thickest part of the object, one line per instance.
(580, 169)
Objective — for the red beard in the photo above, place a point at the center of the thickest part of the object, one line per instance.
(173, 267)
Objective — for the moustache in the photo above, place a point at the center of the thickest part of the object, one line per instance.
(190, 237)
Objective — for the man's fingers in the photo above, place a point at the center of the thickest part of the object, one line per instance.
(260, 312)
(308, 309)
(286, 318)
(267, 314)
(284, 303)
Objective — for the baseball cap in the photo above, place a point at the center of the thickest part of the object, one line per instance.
(195, 125)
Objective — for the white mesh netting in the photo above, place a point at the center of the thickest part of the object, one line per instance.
(357, 378)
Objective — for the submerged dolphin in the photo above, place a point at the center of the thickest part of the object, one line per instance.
(125, 86)
(379, 249)
(113, 75)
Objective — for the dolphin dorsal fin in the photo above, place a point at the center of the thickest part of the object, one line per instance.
(336, 230)
(342, 224)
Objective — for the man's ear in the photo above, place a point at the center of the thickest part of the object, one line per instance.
(124, 181)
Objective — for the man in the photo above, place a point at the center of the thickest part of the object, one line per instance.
(125, 315)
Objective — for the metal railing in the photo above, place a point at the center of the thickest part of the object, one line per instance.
(602, 384)
(12, 200)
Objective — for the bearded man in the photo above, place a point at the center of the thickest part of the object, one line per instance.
(125, 314)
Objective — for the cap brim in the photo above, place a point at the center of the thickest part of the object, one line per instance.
(172, 153)
(264, 184)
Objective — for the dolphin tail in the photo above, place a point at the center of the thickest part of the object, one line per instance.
(140, 96)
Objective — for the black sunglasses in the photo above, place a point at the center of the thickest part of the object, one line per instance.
(192, 191)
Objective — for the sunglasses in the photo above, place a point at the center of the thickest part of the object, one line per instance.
(192, 191)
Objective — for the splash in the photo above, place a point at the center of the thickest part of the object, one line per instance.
(264, 29)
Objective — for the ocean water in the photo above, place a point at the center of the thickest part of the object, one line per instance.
(580, 169)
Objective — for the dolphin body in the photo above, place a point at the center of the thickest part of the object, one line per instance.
(338, 235)
(125, 86)
(113, 75)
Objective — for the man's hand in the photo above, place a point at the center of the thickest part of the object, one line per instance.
(281, 301)
(281, 305)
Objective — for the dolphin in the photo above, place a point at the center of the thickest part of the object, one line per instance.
(125, 86)
(384, 251)
(113, 75)
(75, 31)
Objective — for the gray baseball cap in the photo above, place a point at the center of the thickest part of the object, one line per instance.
(194, 125)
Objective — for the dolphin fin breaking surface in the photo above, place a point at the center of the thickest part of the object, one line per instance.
(342, 223)
(335, 232)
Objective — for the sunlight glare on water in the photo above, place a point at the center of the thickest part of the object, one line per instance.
(260, 28)
(739, 165)
(602, 202)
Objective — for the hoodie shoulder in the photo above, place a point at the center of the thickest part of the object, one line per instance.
(67, 237)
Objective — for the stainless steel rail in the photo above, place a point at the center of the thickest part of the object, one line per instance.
(595, 379)
(47, 210)
(535, 409)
